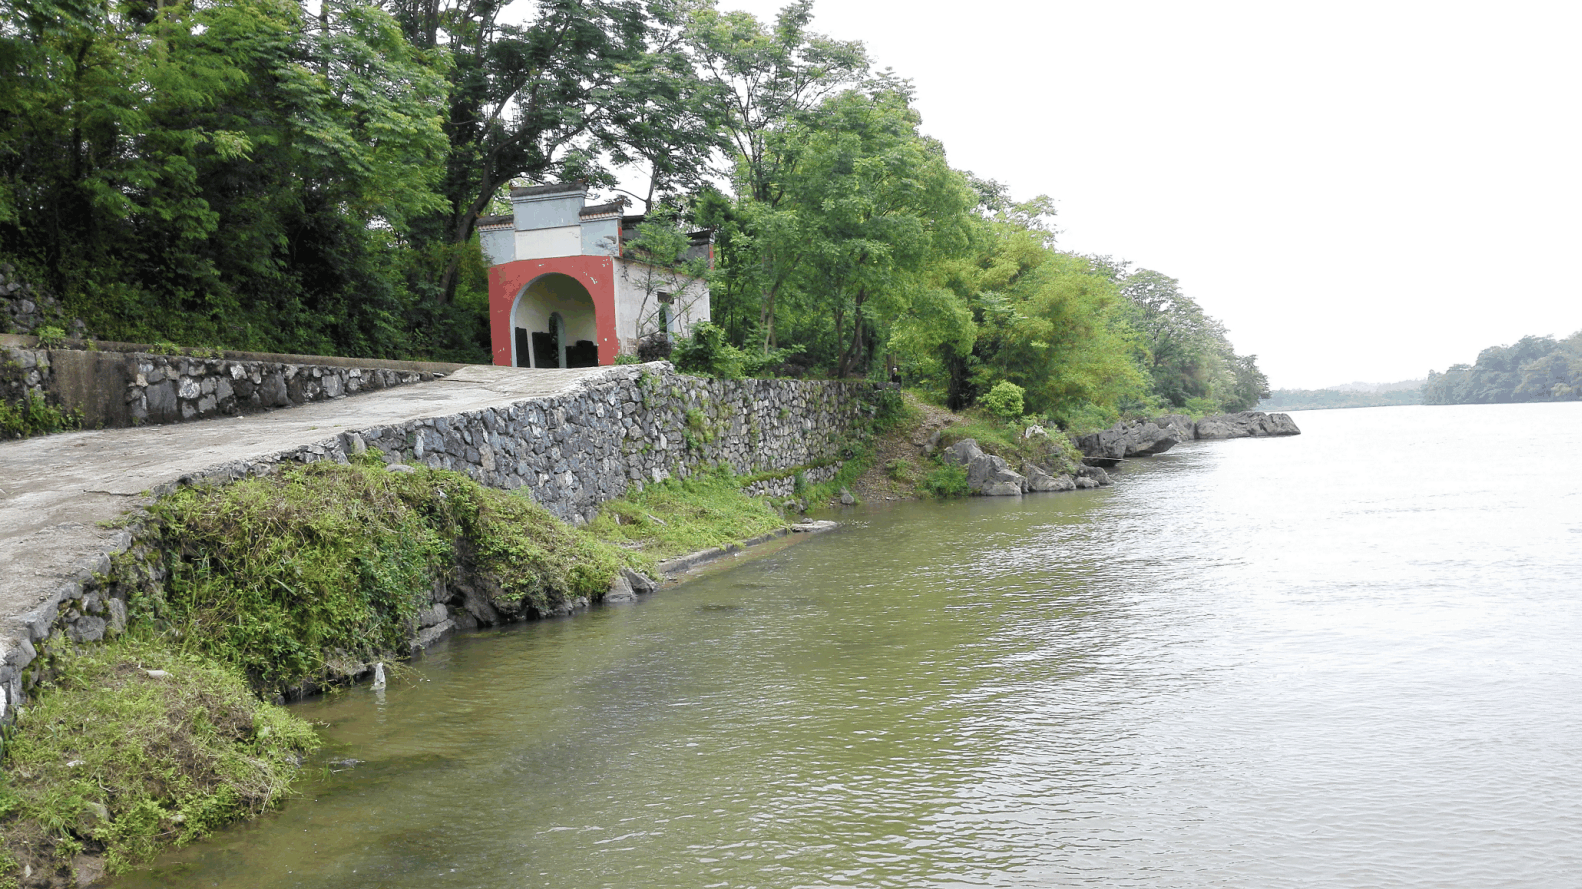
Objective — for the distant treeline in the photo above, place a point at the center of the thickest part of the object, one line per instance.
(1538, 368)
(1319, 399)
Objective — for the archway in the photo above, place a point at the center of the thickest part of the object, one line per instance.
(553, 324)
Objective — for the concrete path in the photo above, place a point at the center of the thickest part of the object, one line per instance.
(55, 490)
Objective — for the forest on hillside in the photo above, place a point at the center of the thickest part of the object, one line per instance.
(269, 175)
(1536, 368)
(1324, 399)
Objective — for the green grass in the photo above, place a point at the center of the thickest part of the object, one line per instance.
(34, 416)
(300, 578)
(110, 760)
(680, 516)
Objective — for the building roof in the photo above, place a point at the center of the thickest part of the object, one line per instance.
(504, 221)
(557, 188)
(612, 208)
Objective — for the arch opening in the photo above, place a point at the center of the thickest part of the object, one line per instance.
(554, 324)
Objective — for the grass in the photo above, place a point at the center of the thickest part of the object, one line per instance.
(680, 516)
(1006, 440)
(301, 578)
(34, 416)
(117, 762)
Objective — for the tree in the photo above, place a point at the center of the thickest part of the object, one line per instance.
(766, 80)
(210, 173)
(586, 84)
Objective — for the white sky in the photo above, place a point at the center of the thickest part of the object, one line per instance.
(1359, 190)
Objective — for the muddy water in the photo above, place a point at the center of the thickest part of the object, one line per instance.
(1346, 659)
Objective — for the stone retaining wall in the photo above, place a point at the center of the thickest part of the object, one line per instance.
(628, 426)
(120, 385)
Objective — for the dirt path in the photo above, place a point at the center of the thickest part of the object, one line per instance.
(898, 457)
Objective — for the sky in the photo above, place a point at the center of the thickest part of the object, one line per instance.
(1359, 191)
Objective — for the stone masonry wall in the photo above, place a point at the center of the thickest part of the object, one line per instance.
(124, 387)
(628, 426)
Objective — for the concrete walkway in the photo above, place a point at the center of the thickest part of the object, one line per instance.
(55, 490)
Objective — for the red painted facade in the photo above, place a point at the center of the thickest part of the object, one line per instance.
(507, 280)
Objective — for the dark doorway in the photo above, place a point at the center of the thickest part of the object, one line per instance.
(524, 358)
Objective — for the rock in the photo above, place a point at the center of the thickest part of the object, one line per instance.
(963, 452)
(1247, 424)
(117, 615)
(641, 584)
(1034, 431)
(992, 477)
(89, 869)
(1099, 477)
(846, 498)
(1039, 480)
(1129, 439)
(399, 468)
(620, 591)
(87, 629)
(1181, 424)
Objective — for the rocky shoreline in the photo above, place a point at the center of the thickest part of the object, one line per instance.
(1145, 438)
(992, 476)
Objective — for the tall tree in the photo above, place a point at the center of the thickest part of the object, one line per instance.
(581, 86)
(765, 80)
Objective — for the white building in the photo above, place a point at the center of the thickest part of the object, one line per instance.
(564, 290)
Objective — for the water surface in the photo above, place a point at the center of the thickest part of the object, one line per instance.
(1345, 659)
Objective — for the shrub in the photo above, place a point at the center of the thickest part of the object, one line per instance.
(946, 482)
(1004, 400)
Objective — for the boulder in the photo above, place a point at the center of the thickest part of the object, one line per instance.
(620, 591)
(988, 475)
(963, 452)
(1183, 425)
(1039, 480)
(992, 477)
(1094, 474)
(1129, 439)
(1247, 424)
(641, 584)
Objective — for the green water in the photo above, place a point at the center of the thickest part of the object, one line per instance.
(1258, 663)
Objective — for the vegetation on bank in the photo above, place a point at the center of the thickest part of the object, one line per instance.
(277, 585)
(261, 175)
(34, 415)
(1537, 368)
(135, 745)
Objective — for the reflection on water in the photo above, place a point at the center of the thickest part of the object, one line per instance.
(1345, 659)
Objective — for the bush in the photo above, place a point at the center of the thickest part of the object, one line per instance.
(946, 482)
(1004, 400)
(655, 347)
(35, 416)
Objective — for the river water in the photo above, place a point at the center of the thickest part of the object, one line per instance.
(1351, 658)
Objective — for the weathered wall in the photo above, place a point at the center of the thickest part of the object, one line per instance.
(628, 426)
(25, 308)
(116, 385)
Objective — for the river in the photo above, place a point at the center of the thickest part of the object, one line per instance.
(1350, 658)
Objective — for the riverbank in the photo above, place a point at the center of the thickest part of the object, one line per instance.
(304, 577)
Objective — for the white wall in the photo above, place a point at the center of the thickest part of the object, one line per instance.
(637, 287)
(544, 243)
